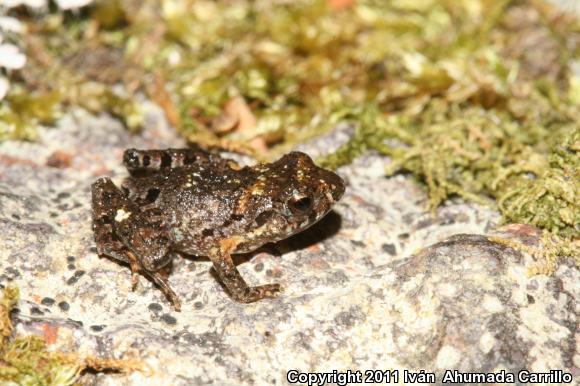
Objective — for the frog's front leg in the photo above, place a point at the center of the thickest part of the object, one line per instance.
(124, 233)
(233, 280)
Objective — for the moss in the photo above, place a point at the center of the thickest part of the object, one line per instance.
(22, 112)
(26, 360)
(552, 248)
(552, 200)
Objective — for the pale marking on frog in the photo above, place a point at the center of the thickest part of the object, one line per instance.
(121, 215)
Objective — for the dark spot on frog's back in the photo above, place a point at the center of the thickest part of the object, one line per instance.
(152, 195)
(165, 160)
(264, 217)
(64, 306)
(146, 160)
(233, 218)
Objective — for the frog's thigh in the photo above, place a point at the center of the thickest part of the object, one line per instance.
(106, 200)
(235, 283)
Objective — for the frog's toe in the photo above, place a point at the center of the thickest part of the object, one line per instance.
(272, 290)
(253, 294)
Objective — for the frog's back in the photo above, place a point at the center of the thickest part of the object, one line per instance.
(142, 163)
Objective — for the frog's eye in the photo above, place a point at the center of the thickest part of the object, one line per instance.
(300, 204)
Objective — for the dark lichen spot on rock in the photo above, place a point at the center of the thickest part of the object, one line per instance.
(424, 223)
(155, 307)
(12, 273)
(64, 306)
(169, 319)
(337, 278)
(198, 305)
(53, 214)
(98, 328)
(75, 277)
(36, 311)
(71, 267)
(389, 248)
(47, 302)
(15, 216)
(93, 249)
(70, 259)
(403, 236)
(62, 195)
(259, 267)
(531, 299)
(357, 243)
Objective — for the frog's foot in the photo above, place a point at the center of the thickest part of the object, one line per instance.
(253, 294)
(161, 280)
(159, 277)
(235, 283)
(135, 270)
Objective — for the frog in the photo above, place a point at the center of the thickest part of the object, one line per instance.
(191, 201)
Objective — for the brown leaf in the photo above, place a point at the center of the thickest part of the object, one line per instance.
(236, 115)
(339, 5)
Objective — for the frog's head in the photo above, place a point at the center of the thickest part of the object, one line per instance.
(293, 193)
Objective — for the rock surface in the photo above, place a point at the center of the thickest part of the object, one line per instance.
(361, 293)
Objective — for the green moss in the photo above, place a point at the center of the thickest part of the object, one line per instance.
(22, 112)
(26, 360)
(552, 248)
(552, 200)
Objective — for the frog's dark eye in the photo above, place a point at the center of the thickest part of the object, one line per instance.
(300, 204)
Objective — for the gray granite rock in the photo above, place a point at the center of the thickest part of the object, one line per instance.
(361, 292)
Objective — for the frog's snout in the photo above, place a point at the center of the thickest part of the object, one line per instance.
(335, 185)
(338, 192)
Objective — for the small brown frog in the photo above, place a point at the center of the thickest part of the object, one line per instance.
(198, 203)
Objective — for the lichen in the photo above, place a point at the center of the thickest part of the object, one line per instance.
(26, 360)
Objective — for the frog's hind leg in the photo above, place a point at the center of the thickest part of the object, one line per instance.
(145, 162)
(105, 200)
(113, 214)
(158, 277)
(161, 280)
(233, 280)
